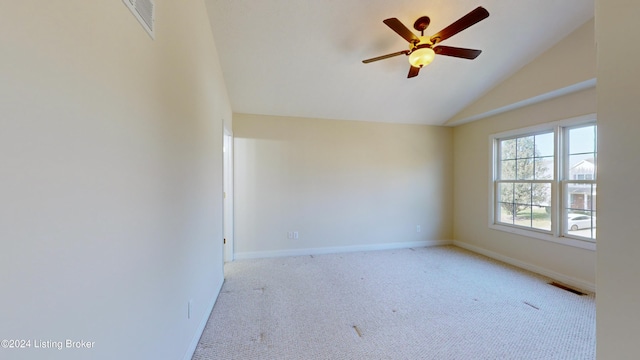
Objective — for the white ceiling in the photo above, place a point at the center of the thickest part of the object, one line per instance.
(303, 58)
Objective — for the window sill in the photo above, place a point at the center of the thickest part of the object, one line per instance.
(582, 244)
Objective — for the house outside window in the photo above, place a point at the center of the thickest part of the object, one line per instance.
(580, 160)
(543, 181)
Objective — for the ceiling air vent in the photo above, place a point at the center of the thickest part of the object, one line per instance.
(143, 10)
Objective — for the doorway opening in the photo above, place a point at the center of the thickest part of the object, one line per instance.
(227, 185)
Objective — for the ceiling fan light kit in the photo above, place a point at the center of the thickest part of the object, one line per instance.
(422, 54)
(422, 50)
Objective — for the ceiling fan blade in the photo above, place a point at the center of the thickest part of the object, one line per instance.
(457, 52)
(413, 72)
(405, 52)
(402, 30)
(475, 16)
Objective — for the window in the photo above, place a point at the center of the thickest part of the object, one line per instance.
(579, 205)
(543, 181)
(525, 179)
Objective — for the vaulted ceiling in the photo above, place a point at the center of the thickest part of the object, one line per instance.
(303, 58)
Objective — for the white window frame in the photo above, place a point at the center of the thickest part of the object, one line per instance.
(556, 234)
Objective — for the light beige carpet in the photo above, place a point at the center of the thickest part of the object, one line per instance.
(425, 303)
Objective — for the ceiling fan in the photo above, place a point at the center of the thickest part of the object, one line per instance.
(422, 50)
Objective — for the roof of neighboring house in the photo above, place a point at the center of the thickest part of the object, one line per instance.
(586, 164)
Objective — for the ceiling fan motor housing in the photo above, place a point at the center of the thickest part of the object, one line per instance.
(424, 42)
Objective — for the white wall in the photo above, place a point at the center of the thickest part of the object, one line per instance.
(572, 60)
(111, 177)
(341, 184)
(618, 319)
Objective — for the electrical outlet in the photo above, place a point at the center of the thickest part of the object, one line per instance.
(290, 235)
(295, 235)
(418, 228)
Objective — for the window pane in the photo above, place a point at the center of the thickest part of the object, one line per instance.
(541, 217)
(580, 197)
(525, 204)
(582, 140)
(524, 170)
(527, 158)
(505, 203)
(522, 195)
(581, 165)
(544, 145)
(505, 213)
(524, 216)
(505, 192)
(525, 147)
(508, 149)
(543, 168)
(508, 170)
(580, 214)
(541, 195)
(522, 202)
(581, 224)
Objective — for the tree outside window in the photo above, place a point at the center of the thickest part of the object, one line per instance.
(526, 173)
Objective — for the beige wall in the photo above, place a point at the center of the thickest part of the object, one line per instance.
(471, 195)
(618, 318)
(565, 67)
(340, 184)
(571, 61)
(111, 174)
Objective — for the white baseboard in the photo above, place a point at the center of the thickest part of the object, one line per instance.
(339, 249)
(188, 355)
(568, 280)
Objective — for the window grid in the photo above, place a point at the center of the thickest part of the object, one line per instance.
(579, 183)
(549, 189)
(524, 184)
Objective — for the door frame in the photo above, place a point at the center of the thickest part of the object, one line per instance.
(227, 185)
